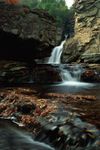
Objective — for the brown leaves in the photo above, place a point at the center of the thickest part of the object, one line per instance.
(26, 105)
(28, 120)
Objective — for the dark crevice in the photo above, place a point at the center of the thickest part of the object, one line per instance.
(15, 48)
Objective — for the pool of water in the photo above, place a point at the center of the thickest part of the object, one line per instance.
(72, 87)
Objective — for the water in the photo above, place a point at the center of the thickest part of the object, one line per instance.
(69, 132)
(73, 74)
(66, 75)
(55, 57)
(13, 138)
(69, 77)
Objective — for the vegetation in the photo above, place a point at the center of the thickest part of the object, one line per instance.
(69, 23)
(30, 3)
(56, 8)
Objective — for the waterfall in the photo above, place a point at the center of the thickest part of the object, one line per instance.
(65, 74)
(73, 74)
(70, 74)
(56, 54)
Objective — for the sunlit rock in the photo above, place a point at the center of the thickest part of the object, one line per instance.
(85, 45)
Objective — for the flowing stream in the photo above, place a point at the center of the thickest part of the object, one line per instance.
(12, 138)
(70, 76)
(55, 58)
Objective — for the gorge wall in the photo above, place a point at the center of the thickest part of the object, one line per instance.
(85, 45)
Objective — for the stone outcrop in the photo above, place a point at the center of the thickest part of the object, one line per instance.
(15, 73)
(25, 34)
(19, 73)
(90, 75)
(44, 74)
(12, 72)
(85, 45)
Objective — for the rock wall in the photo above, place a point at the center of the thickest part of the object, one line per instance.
(85, 45)
(25, 34)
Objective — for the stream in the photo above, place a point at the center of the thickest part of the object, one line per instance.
(73, 121)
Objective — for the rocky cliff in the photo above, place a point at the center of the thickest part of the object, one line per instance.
(25, 34)
(85, 45)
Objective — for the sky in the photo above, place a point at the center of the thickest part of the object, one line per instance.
(69, 3)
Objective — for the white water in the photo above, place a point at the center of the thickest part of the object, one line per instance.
(66, 75)
(12, 138)
(56, 54)
(70, 78)
(73, 75)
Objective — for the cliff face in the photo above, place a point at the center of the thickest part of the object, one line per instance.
(25, 34)
(85, 45)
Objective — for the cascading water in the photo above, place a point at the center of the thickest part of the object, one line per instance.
(55, 58)
(56, 54)
(70, 75)
(73, 74)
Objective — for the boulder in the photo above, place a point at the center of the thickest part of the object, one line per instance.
(85, 45)
(25, 34)
(44, 74)
(90, 75)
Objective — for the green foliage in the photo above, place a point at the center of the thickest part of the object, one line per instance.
(56, 8)
(69, 24)
(30, 3)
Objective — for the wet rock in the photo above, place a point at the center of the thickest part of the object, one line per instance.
(13, 72)
(90, 76)
(25, 34)
(15, 138)
(46, 74)
(85, 105)
(64, 130)
(95, 67)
